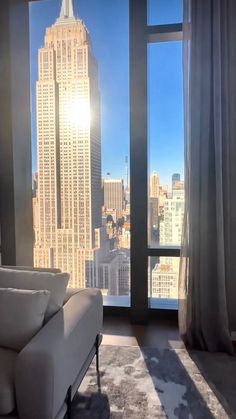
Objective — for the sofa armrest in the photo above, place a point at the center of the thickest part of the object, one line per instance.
(51, 361)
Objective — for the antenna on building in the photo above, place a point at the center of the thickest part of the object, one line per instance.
(67, 13)
(67, 9)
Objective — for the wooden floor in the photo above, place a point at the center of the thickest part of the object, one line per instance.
(159, 333)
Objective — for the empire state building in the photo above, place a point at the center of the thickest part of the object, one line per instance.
(69, 150)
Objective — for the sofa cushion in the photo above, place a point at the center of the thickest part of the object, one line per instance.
(7, 393)
(31, 268)
(21, 316)
(56, 283)
(70, 292)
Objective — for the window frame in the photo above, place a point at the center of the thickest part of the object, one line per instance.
(141, 35)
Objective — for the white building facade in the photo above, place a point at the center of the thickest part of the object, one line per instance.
(69, 150)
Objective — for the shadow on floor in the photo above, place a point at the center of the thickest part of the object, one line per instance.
(153, 382)
(219, 371)
(181, 389)
(90, 406)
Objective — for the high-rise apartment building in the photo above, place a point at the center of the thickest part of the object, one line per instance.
(171, 225)
(175, 178)
(69, 149)
(164, 281)
(114, 195)
(154, 185)
(165, 273)
(178, 184)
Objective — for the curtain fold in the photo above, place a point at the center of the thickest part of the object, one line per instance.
(210, 134)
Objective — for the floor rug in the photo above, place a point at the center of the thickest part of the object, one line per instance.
(146, 384)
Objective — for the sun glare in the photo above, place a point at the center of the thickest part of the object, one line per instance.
(78, 113)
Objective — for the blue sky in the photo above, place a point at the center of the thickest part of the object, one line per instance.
(107, 22)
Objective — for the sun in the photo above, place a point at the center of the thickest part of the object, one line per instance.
(78, 113)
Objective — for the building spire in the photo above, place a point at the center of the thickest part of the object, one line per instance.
(67, 9)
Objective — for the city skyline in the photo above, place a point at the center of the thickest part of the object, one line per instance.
(166, 142)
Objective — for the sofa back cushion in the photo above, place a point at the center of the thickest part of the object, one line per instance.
(21, 316)
(31, 268)
(56, 283)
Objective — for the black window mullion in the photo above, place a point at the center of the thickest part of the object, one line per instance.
(138, 160)
(173, 251)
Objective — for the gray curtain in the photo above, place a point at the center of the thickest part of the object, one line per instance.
(207, 268)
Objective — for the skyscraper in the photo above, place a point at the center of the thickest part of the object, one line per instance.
(114, 195)
(175, 179)
(69, 148)
(165, 281)
(165, 273)
(154, 185)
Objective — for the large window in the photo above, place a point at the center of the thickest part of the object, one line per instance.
(166, 155)
(79, 54)
(157, 157)
(107, 124)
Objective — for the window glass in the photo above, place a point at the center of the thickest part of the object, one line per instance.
(163, 282)
(80, 123)
(162, 12)
(166, 153)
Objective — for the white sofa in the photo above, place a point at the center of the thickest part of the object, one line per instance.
(39, 381)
